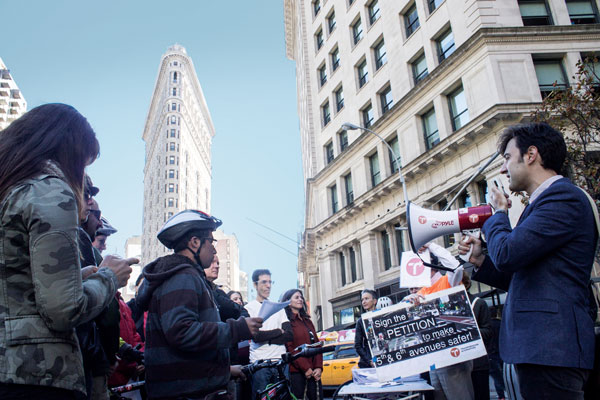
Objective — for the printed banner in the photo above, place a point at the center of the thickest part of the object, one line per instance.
(406, 339)
(412, 271)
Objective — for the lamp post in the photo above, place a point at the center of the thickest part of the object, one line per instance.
(350, 127)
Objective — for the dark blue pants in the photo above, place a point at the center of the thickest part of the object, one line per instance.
(543, 382)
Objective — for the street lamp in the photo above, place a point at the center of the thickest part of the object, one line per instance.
(350, 127)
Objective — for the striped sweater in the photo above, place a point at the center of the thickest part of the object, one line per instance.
(186, 342)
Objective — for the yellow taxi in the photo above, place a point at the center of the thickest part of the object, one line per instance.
(338, 365)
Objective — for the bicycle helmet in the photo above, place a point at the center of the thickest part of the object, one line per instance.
(384, 302)
(184, 221)
(107, 229)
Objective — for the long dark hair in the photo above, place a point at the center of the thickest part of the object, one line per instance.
(288, 295)
(56, 132)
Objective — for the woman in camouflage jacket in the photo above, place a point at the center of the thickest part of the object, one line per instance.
(43, 155)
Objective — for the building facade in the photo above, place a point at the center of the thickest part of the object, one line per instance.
(133, 248)
(178, 136)
(12, 102)
(229, 261)
(438, 80)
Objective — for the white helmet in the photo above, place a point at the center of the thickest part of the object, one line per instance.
(384, 302)
(183, 222)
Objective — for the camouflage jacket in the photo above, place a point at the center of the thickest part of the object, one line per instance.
(42, 296)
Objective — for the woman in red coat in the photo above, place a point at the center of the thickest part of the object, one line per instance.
(305, 373)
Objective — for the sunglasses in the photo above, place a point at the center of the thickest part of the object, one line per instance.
(96, 213)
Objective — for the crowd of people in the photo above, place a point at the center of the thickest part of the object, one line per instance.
(68, 333)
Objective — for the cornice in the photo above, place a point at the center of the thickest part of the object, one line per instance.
(475, 130)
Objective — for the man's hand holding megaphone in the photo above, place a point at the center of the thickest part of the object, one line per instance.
(501, 203)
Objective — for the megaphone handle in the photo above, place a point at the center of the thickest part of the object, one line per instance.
(473, 233)
(465, 257)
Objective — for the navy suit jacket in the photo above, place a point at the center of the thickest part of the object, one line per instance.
(544, 264)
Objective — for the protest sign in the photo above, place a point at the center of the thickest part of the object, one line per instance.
(413, 273)
(406, 339)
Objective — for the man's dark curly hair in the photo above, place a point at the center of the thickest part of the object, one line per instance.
(549, 142)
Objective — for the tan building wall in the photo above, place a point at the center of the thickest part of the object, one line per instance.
(229, 261)
(12, 102)
(490, 78)
(178, 136)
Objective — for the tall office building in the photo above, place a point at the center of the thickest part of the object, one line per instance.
(229, 261)
(133, 248)
(438, 80)
(178, 136)
(12, 103)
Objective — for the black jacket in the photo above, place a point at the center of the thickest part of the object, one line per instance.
(361, 345)
(481, 313)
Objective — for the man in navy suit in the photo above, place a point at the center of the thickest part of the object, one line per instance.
(544, 264)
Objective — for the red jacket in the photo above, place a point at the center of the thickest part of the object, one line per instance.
(125, 372)
(301, 328)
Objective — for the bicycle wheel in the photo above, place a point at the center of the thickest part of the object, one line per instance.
(338, 397)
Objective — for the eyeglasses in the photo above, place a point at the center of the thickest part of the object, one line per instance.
(266, 282)
(96, 213)
(212, 241)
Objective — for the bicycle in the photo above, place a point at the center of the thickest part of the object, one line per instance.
(280, 390)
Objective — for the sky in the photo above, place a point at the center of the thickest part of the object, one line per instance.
(103, 58)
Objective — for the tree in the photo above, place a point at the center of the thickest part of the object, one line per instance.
(575, 111)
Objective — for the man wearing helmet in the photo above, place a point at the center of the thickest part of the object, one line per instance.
(186, 342)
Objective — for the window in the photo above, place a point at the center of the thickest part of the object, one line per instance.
(393, 162)
(316, 6)
(319, 38)
(174, 107)
(174, 92)
(482, 189)
(326, 113)
(411, 20)
(349, 189)
(334, 200)
(399, 242)
(343, 137)
(445, 45)
(172, 132)
(329, 152)
(339, 99)
(375, 173)
(173, 120)
(582, 12)
(459, 113)
(175, 77)
(172, 146)
(363, 73)
(374, 13)
(551, 75)
(343, 268)
(367, 116)
(385, 247)
(357, 31)
(322, 74)
(171, 188)
(419, 68)
(335, 59)
(430, 129)
(535, 12)
(353, 274)
(433, 4)
(386, 99)
(172, 160)
(171, 202)
(380, 54)
(171, 173)
(331, 22)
